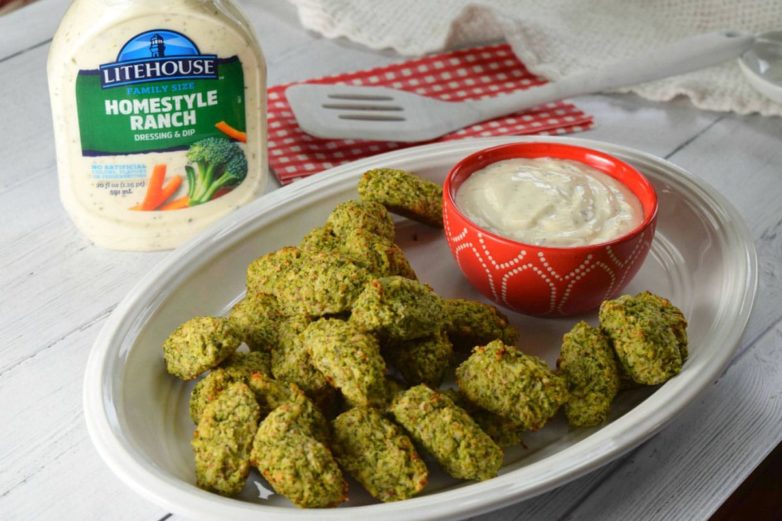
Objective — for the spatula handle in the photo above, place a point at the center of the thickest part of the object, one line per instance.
(683, 56)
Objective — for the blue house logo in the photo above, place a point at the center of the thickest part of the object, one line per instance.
(158, 55)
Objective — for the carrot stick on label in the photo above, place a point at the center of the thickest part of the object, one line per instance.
(231, 132)
(154, 188)
(177, 204)
(169, 189)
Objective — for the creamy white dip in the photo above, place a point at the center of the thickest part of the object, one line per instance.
(549, 202)
(134, 83)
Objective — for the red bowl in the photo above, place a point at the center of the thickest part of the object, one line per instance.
(539, 280)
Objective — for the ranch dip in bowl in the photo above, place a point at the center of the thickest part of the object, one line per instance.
(549, 202)
(548, 229)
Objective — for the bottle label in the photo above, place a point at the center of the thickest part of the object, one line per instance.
(163, 95)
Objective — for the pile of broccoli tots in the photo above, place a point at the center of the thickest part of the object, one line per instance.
(348, 350)
(642, 340)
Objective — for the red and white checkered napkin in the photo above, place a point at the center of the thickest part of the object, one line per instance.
(459, 75)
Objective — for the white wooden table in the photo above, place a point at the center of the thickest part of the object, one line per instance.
(56, 290)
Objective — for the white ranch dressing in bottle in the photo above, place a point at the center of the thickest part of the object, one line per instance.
(136, 87)
(549, 202)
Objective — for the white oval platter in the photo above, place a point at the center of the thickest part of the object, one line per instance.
(702, 258)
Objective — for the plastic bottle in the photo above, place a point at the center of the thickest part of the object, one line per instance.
(159, 111)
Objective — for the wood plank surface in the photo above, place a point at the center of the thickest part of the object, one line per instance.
(57, 290)
(30, 27)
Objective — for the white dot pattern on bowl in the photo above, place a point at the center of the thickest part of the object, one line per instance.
(560, 285)
(640, 246)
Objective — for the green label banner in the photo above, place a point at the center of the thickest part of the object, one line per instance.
(157, 116)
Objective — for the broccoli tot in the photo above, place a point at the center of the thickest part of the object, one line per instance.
(591, 370)
(423, 360)
(368, 216)
(198, 345)
(648, 334)
(505, 381)
(267, 273)
(447, 432)
(223, 440)
(404, 193)
(397, 309)
(378, 454)
(294, 462)
(470, 323)
(256, 320)
(349, 359)
(220, 163)
(236, 368)
(301, 411)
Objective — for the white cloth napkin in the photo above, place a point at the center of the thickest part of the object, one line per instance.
(555, 38)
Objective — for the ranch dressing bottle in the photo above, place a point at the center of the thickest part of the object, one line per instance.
(159, 111)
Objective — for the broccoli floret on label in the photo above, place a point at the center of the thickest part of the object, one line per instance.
(219, 163)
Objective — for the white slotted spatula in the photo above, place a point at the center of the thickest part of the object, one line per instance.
(383, 114)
